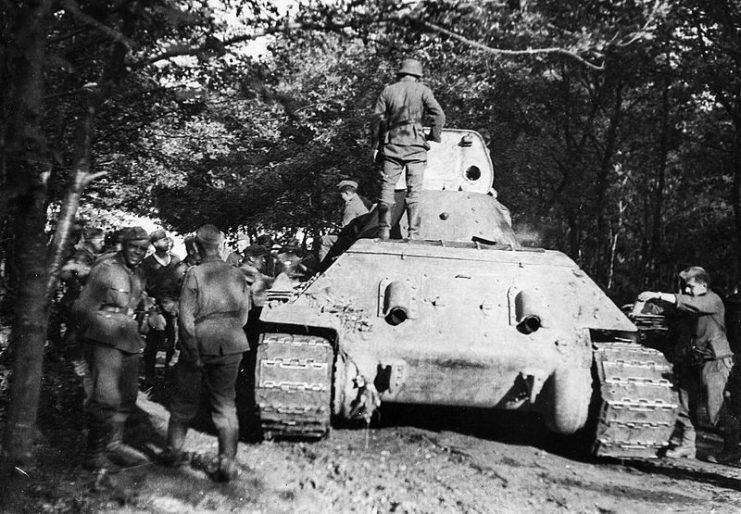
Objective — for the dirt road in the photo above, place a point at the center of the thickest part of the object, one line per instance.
(411, 460)
(435, 460)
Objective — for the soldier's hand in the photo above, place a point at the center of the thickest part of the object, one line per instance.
(648, 295)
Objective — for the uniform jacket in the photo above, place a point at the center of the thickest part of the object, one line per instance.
(214, 306)
(163, 282)
(108, 302)
(353, 208)
(705, 329)
(399, 112)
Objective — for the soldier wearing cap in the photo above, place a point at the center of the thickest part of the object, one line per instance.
(163, 273)
(354, 207)
(112, 344)
(399, 136)
(214, 308)
(703, 357)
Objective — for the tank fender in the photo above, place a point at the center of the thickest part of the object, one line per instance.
(567, 392)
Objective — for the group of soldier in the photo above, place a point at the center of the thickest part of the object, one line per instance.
(206, 305)
(201, 303)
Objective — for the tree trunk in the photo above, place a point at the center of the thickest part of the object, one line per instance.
(82, 177)
(26, 195)
(737, 198)
(655, 248)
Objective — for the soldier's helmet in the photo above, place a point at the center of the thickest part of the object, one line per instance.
(411, 67)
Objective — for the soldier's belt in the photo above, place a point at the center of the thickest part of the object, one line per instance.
(405, 122)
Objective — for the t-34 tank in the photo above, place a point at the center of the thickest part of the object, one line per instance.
(462, 317)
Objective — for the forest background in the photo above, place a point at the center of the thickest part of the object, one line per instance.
(614, 128)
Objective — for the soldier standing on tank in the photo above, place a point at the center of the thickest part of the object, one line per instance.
(399, 136)
(214, 308)
(112, 344)
(703, 357)
(163, 274)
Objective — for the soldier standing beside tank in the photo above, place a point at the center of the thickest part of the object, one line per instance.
(214, 308)
(162, 273)
(399, 135)
(112, 344)
(703, 356)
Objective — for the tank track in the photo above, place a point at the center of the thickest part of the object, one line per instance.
(638, 403)
(293, 386)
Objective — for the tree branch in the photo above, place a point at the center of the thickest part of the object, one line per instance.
(178, 50)
(72, 7)
(502, 51)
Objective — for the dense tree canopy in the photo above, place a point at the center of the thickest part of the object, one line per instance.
(614, 126)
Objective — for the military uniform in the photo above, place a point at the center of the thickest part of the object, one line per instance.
(163, 284)
(398, 129)
(214, 308)
(704, 360)
(112, 344)
(353, 208)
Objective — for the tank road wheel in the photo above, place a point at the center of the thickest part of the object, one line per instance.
(636, 403)
(568, 405)
(293, 381)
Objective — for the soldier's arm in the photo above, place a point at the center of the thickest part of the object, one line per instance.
(378, 121)
(187, 318)
(703, 304)
(435, 112)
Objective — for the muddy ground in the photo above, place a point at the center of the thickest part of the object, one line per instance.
(411, 460)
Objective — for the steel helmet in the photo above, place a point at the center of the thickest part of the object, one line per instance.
(411, 67)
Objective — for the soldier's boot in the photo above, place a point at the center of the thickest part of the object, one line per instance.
(173, 455)
(384, 220)
(96, 459)
(686, 447)
(731, 452)
(228, 467)
(120, 452)
(414, 220)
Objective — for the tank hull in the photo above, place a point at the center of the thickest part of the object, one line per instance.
(461, 341)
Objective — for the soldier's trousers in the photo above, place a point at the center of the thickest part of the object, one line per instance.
(702, 387)
(392, 168)
(114, 376)
(219, 375)
(159, 339)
